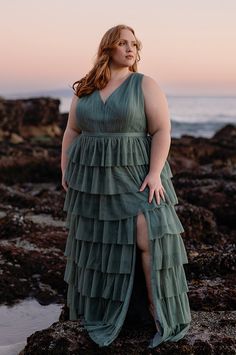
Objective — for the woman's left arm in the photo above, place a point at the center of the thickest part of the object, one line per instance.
(159, 126)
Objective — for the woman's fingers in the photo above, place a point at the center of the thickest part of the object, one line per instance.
(157, 197)
(64, 184)
(143, 185)
(162, 194)
(65, 187)
(151, 193)
(159, 194)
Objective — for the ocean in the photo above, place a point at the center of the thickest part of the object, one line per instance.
(190, 115)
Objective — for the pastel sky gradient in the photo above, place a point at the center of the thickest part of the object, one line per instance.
(189, 46)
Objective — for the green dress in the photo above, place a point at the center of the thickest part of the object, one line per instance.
(107, 164)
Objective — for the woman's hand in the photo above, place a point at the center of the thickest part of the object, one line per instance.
(64, 182)
(153, 181)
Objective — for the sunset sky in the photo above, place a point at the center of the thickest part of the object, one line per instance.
(189, 46)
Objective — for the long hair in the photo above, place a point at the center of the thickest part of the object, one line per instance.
(99, 75)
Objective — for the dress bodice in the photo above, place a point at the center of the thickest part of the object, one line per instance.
(123, 110)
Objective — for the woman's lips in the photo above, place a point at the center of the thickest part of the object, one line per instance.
(129, 57)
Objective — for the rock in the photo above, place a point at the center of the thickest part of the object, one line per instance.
(36, 161)
(181, 163)
(213, 294)
(33, 198)
(32, 117)
(51, 130)
(2, 135)
(215, 152)
(13, 225)
(32, 260)
(15, 138)
(212, 193)
(228, 132)
(214, 334)
(212, 261)
(199, 223)
(15, 196)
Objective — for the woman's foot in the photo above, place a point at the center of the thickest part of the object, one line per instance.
(157, 323)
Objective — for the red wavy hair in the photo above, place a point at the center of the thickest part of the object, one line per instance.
(99, 75)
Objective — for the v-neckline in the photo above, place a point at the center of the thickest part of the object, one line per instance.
(99, 94)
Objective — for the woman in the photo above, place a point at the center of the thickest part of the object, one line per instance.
(120, 198)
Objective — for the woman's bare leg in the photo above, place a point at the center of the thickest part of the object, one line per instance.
(143, 245)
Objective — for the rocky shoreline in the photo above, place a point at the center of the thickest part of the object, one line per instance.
(33, 236)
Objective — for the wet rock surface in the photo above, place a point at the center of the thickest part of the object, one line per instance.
(31, 259)
(33, 235)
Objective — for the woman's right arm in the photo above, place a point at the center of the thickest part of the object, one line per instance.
(71, 132)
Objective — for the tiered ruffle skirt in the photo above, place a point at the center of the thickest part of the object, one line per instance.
(104, 174)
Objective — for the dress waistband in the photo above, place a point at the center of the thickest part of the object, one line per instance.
(125, 134)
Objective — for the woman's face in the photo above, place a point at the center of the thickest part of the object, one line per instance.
(125, 53)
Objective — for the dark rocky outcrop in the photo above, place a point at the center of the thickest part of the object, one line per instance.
(26, 117)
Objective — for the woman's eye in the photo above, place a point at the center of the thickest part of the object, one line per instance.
(123, 43)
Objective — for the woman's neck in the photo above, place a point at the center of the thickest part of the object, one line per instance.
(119, 74)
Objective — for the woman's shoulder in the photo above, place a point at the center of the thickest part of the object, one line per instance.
(150, 84)
(148, 79)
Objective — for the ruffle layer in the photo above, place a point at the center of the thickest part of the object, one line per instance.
(110, 150)
(113, 207)
(160, 221)
(92, 283)
(107, 258)
(93, 308)
(169, 252)
(113, 180)
(100, 231)
(174, 308)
